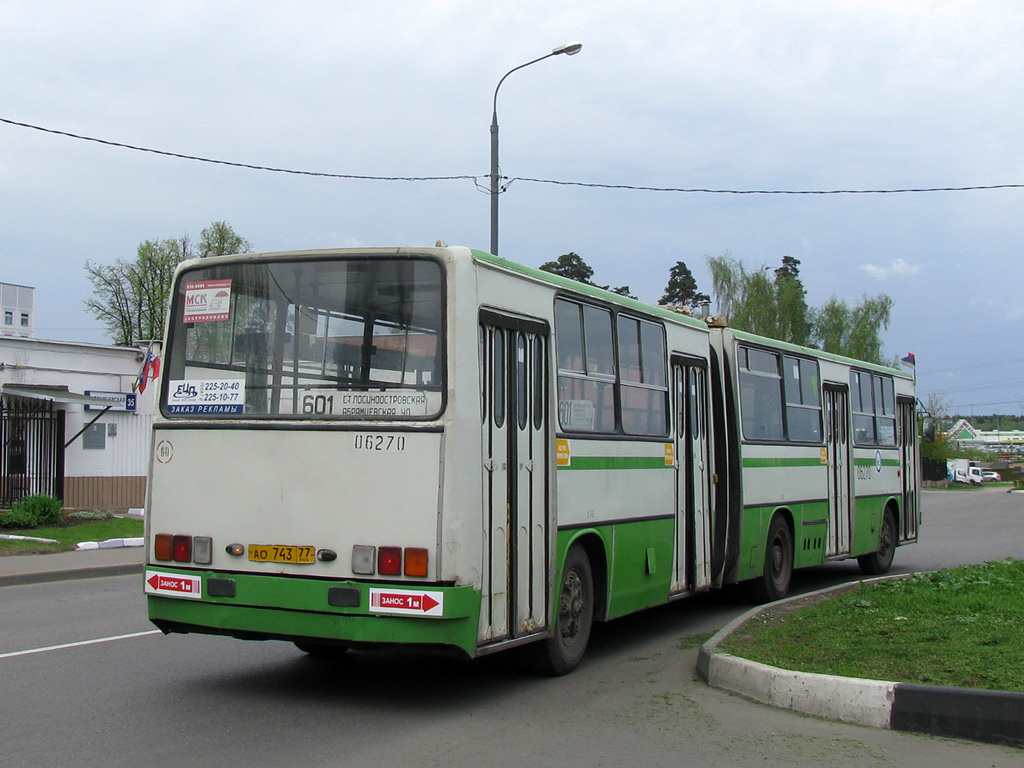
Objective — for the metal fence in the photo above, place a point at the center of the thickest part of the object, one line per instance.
(31, 449)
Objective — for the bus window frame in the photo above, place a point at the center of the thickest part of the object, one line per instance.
(176, 342)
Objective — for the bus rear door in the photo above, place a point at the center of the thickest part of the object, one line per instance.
(693, 465)
(837, 420)
(515, 476)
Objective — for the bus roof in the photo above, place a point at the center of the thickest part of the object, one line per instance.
(590, 290)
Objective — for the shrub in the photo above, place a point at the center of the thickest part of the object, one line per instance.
(86, 516)
(34, 511)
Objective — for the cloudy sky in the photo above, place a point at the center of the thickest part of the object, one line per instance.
(789, 96)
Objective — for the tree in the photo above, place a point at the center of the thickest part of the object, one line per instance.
(776, 307)
(791, 300)
(131, 297)
(938, 406)
(748, 299)
(682, 290)
(852, 331)
(622, 290)
(221, 239)
(572, 266)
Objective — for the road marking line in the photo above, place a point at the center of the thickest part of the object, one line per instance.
(80, 643)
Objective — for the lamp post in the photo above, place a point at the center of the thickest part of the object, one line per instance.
(569, 49)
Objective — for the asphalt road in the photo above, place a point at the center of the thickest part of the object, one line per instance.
(149, 700)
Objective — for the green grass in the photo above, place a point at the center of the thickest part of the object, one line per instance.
(959, 627)
(68, 536)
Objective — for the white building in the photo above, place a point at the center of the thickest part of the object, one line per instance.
(964, 433)
(16, 310)
(71, 424)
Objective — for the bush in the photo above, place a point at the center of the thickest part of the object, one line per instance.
(86, 516)
(34, 511)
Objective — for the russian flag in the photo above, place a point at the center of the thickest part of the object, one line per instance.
(910, 361)
(150, 370)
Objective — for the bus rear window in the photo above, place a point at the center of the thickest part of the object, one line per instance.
(313, 338)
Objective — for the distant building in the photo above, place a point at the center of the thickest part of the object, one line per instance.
(16, 306)
(964, 433)
(71, 424)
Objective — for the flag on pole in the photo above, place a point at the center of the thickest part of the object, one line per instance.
(150, 370)
(910, 361)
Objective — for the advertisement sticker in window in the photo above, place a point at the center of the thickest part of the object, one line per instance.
(207, 301)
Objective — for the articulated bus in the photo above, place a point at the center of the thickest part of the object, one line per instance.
(437, 447)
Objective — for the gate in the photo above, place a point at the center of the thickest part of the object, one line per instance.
(31, 450)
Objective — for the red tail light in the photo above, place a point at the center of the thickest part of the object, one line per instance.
(389, 561)
(181, 549)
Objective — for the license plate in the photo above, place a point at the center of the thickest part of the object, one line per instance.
(281, 553)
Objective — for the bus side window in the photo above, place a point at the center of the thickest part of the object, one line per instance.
(499, 377)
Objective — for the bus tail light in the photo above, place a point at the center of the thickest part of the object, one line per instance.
(162, 547)
(415, 562)
(389, 561)
(202, 550)
(363, 559)
(181, 549)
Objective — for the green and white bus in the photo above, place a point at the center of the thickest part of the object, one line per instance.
(438, 447)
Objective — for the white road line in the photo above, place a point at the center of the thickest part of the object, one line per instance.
(80, 643)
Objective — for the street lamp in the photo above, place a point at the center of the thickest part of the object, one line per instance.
(569, 49)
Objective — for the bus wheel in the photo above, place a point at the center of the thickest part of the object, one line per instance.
(773, 583)
(560, 653)
(322, 650)
(879, 562)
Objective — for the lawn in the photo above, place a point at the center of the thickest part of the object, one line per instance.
(959, 627)
(68, 536)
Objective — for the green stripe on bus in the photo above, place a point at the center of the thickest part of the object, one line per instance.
(617, 462)
(871, 462)
(809, 461)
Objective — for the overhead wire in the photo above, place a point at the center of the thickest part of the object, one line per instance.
(250, 166)
(507, 180)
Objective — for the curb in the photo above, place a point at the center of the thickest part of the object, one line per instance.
(965, 713)
(90, 572)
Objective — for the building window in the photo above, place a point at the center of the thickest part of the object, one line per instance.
(8, 317)
(24, 319)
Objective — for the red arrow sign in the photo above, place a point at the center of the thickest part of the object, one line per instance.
(173, 584)
(416, 603)
(428, 603)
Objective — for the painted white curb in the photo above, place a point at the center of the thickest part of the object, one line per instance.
(850, 700)
(110, 543)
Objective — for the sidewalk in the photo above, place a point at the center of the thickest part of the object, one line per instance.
(35, 569)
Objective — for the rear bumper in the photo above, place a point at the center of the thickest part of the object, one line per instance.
(265, 607)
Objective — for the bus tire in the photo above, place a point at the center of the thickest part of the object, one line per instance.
(773, 583)
(877, 563)
(561, 652)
